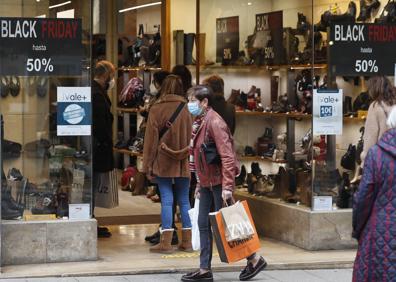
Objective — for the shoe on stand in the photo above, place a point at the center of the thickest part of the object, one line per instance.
(103, 232)
(366, 8)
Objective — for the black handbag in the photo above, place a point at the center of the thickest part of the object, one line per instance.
(348, 161)
(210, 151)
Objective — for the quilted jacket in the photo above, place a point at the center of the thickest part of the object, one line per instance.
(374, 214)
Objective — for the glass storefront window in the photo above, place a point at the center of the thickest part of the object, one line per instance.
(45, 170)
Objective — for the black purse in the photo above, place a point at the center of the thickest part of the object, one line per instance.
(210, 151)
(348, 161)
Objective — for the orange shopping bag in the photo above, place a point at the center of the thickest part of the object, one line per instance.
(236, 250)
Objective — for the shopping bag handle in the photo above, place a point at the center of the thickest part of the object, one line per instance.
(232, 202)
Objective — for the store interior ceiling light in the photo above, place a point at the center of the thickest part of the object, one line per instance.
(59, 5)
(139, 7)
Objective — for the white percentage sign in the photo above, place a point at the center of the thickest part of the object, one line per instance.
(47, 65)
(373, 66)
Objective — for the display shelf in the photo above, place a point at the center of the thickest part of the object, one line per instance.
(128, 152)
(141, 68)
(292, 115)
(354, 119)
(270, 114)
(128, 110)
(258, 158)
(255, 67)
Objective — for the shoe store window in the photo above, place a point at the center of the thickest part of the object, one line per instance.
(45, 107)
(275, 59)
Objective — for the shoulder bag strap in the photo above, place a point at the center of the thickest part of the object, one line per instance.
(171, 120)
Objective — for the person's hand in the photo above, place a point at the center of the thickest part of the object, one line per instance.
(226, 195)
(149, 175)
(197, 193)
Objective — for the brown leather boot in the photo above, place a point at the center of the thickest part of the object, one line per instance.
(164, 246)
(186, 245)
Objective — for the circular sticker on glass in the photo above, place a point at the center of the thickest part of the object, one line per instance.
(74, 114)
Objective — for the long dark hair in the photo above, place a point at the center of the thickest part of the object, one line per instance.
(172, 85)
(381, 90)
(185, 76)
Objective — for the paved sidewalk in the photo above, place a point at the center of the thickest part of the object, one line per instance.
(328, 275)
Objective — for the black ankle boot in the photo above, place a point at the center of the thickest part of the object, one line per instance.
(256, 170)
(8, 213)
(366, 7)
(152, 236)
(388, 15)
(240, 179)
(327, 18)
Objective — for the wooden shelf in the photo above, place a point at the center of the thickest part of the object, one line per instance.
(269, 114)
(258, 158)
(293, 115)
(128, 110)
(128, 152)
(264, 67)
(354, 119)
(142, 68)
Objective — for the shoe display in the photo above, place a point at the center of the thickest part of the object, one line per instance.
(328, 17)
(251, 271)
(62, 209)
(11, 150)
(240, 179)
(366, 8)
(198, 276)
(388, 15)
(249, 151)
(103, 233)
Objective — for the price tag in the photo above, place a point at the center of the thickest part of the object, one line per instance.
(322, 203)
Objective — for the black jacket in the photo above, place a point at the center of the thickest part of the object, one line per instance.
(226, 111)
(102, 130)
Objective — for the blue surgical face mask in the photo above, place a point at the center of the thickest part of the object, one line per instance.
(194, 108)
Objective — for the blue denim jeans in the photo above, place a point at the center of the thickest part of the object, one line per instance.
(209, 198)
(182, 187)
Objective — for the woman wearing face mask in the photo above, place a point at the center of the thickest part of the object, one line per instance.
(215, 181)
(102, 126)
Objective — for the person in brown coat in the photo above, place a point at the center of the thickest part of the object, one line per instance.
(165, 159)
(384, 95)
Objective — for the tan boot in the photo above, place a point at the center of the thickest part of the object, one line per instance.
(186, 245)
(164, 246)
